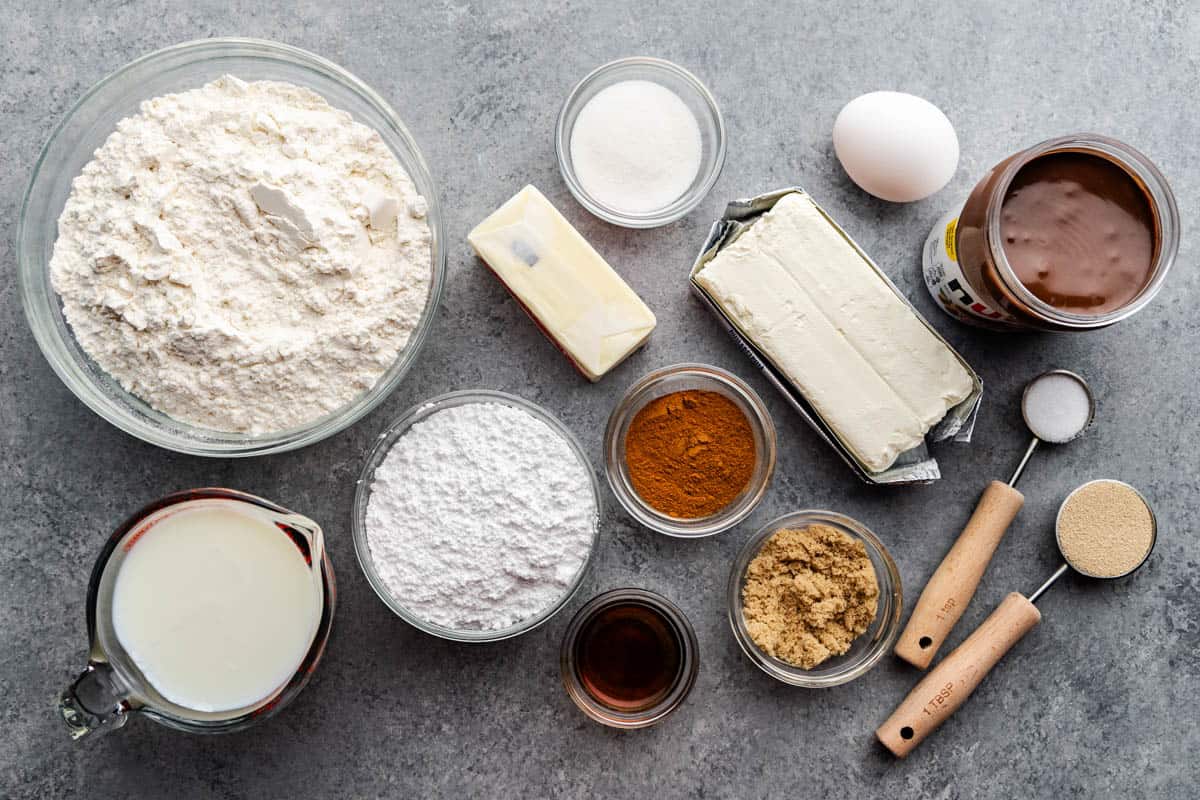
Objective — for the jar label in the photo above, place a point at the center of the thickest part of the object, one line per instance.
(946, 282)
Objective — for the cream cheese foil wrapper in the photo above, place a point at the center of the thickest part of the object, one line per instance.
(912, 466)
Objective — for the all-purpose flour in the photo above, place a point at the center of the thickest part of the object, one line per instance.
(479, 517)
(243, 256)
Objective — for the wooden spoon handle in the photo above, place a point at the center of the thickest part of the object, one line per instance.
(954, 583)
(949, 685)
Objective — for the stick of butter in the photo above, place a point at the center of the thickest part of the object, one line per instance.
(568, 289)
(859, 353)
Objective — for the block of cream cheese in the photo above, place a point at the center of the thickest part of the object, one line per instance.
(572, 293)
(859, 354)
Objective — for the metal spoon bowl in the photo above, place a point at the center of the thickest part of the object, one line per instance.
(1067, 562)
(1078, 379)
(1016, 476)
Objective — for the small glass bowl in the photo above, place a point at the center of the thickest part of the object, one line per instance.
(689, 659)
(362, 495)
(691, 91)
(72, 145)
(678, 378)
(867, 649)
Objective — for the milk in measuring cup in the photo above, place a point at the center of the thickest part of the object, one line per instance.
(216, 606)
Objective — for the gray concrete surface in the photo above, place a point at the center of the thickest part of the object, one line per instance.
(1099, 701)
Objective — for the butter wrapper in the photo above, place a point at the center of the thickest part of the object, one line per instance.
(912, 466)
(567, 288)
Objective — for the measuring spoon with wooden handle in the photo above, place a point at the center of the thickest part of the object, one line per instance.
(950, 683)
(953, 584)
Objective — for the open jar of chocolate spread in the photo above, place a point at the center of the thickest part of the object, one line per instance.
(1074, 233)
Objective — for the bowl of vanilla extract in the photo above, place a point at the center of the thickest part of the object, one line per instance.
(629, 658)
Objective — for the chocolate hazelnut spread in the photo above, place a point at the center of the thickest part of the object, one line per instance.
(1079, 232)
(1075, 233)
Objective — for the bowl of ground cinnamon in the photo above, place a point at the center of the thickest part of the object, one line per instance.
(689, 450)
(814, 599)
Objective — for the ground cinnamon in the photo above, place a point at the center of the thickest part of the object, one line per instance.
(690, 453)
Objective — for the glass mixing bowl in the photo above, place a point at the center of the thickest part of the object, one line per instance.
(84, 129)
(866, 651)
(362, 497)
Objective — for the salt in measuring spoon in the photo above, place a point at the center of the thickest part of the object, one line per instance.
(942, 691)
(1057, 406)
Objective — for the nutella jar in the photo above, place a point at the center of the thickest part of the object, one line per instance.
(1074, 233)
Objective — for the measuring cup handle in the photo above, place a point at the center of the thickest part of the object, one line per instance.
(94, 703)
(942, 691)
(954, 582)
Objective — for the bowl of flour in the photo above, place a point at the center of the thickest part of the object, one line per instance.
(231, 247)
(476, 515)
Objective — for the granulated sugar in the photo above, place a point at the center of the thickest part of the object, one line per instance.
(1105, 529)
(1057, 407)
(636, 146)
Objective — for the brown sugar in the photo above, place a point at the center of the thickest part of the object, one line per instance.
(690, 453)
(809, 593)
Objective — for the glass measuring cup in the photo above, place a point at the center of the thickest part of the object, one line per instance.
(949, 684)
(112, 687)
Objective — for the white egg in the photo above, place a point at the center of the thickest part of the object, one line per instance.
(897, 146)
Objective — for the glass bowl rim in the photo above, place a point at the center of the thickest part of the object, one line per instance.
(726, 518)
(683, 204)
(207, 441)
(788, 673)
(383, 445)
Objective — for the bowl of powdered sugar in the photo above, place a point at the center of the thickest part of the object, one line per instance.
(231, 247)
(476, 515)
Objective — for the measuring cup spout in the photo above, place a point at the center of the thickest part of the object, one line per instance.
(307, 535)
(95, 703)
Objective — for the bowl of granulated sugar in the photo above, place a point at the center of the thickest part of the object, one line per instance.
(476, 515)
(640, 142)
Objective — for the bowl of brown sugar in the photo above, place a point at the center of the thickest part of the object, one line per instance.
(689, 450)
(814, 599)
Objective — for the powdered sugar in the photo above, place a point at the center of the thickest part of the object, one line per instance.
(243, 256)
(480, 516)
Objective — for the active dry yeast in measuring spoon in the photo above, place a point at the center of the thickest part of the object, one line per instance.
(1058, 406)
(1105, 529)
